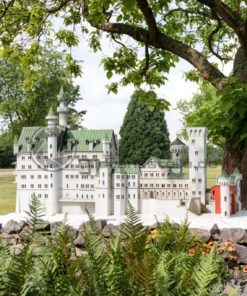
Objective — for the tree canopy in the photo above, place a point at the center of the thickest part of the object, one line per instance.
(26, 98)
(143, 133)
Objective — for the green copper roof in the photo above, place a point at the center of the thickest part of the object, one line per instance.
(126, 169)
(80, 138)
(62, 96)
(51, 112)
(163, 163)
(236, 172)
(223, 174)
(178, 176)
(177, 142)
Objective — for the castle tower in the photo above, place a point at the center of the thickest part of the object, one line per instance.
(63, 109)
(237, 177)
(225, 197)
(106, 149)
(177, 148)
(51, 131)
(198, 162)
(103, 204)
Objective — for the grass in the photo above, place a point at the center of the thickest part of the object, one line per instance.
(8, 188)
(7, 170)
(7, 194)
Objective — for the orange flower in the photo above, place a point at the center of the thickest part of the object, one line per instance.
(191, 251)
(204, 253)
(231, 249)
(245, 268)
(227, 243)
(198, 245)
(233, 258)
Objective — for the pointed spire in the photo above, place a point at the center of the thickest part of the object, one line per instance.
(61, 96)
(177, 141)
(224, 174)
(51, 112)
(16, 140)
(236, 172)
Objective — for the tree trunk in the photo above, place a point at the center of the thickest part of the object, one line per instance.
(234, 158)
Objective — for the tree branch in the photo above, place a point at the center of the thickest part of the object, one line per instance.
(149, 18)
(6, 8)
(57, 8)
(230, 17)
(208, 71)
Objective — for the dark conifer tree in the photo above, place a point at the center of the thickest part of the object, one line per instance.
(143, 134)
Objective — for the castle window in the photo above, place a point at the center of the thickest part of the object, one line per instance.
(193, 180)
(122, 176)
(128, 195)
(141, 184)
(157, 185)
(118, 185)
(145, 175)
(168, 185)
(145, 185)
(193, 193)
(23, 185)
(157, 174)
(163, 174)
(45, 176)
(32, 186)
(122, 184)
(117, 196)
(163, 185)
(174, 185)
(46, 185)
(51, 185)
(118, 176)
(92, 186)
(134, 184)
(225, 213)
(29, 166)
(23, 176)
(133, 176)
(77, 185)
(199, 192)
(196, 152)
(134, 196)
(39, 176)
(193, 141)
(50, 146)
(50, 165)
(151, 185)
(151, 174)
(122, 196)
(50, 155)
(39, 195)
(46, 195)
(95, 156)
(225, 198)
(91, 195)
(67, 185)
(128, 184)
(103, 174)
(23, 157)
(103, 195)
(29, 157)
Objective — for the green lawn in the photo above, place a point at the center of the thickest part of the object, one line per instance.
(212, 173)
(7, 170)
(7, 193)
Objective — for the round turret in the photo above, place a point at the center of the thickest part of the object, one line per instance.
(225, 197)
(63, 110)
(176, 149)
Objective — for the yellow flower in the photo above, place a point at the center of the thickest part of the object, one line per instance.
(191, 252)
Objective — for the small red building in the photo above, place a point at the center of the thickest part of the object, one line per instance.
(229, 187)
(215, 195)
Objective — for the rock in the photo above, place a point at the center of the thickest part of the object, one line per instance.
(204, 234)
(13, 227)
(80, 252)
(241, 253)
(101, 223)
(236, 235)
(72, 231)
(43, 225)
(11, 239)
(17, 249)
(79, 241)
(25, 233)
(110, 229)
(215, 233)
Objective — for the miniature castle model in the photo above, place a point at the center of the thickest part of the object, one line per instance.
(72, 170)
(226, 195)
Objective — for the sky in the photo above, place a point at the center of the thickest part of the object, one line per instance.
(106, 111)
